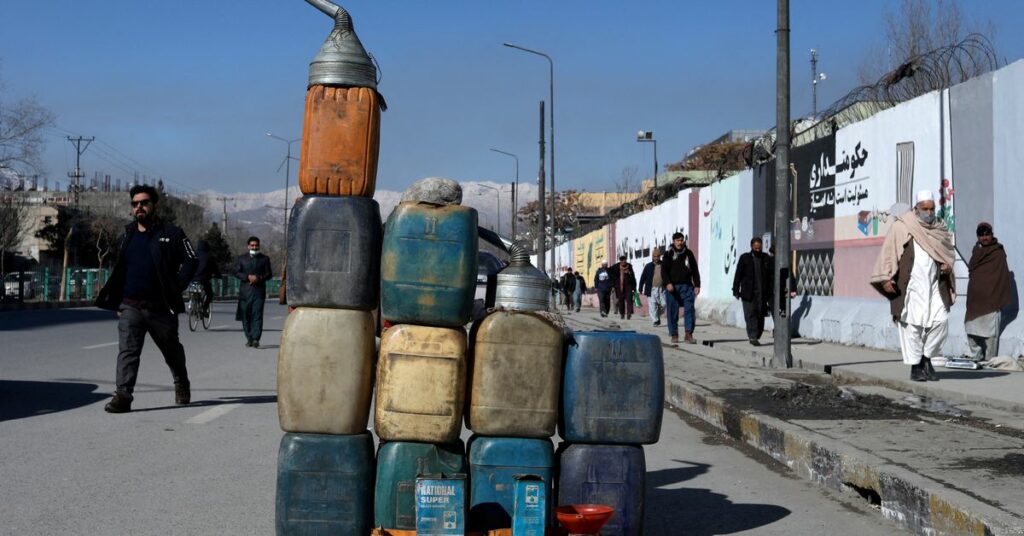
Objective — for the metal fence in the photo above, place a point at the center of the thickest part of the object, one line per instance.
(81, 284)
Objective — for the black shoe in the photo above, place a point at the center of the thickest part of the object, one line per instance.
(121, 403)
(929, 370)
(182, 394)
(658, 323)
(248, 344)
(917, 373)
(755, 342)
(255, 344)
(628, 317)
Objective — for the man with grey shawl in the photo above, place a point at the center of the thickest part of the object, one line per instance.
(914, 271)
(987, 293)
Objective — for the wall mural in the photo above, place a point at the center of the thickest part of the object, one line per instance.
(815, 272)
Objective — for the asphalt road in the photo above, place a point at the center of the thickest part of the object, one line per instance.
(67, 467)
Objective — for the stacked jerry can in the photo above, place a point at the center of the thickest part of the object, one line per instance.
(428, 277)
(326, 360)
(514, 384)
(612, 405)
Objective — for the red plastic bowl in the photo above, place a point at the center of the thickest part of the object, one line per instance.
(583, 518)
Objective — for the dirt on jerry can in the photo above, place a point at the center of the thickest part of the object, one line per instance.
(606, 474)
(429, 265)
(324, 484)
(515, 375)
(614, 390)
(421, 379)
(325, 371)
(334, 253)
(398, 465)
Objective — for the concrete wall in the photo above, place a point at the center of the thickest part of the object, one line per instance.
(963, 144)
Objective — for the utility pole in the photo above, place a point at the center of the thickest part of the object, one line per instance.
(77, 175)
(224, 215)
(815, 78)
(541, 229)
(783, 356)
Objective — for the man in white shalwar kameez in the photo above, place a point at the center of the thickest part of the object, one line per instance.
(914, 271)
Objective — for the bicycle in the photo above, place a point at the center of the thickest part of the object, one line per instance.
(196, 312)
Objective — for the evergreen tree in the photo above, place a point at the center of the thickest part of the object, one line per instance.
(219, 249)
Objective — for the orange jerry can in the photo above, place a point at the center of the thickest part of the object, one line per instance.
(341, 125)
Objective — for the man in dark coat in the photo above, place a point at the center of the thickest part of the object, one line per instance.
(155, 263)
(988, 291)
(253, 269)
(624, 284)
(652, 287)
(752, 285)
(603, 284)
(206, 270)
(681, 276)
(568, 284)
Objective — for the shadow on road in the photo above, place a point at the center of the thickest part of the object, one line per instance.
(23, 399)
(699, 512)
(267, 399)
(24, 320)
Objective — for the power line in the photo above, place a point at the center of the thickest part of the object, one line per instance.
(77, 174)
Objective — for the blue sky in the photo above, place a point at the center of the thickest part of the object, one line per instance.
(188, 88)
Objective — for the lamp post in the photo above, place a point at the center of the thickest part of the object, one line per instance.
(497, 200)
(551, 129)
(287, 177)
(515, 190)
(648, 136)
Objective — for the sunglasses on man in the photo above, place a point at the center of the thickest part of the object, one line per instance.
(142, 202)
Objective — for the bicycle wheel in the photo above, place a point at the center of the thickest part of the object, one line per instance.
(193, 314)
(208, 317)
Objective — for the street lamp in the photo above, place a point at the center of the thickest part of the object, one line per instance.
(551, 102)
(648, 136)
(497, 200)
(515, 190)
(287, 177)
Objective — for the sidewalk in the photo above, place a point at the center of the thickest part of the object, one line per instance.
(941, 457)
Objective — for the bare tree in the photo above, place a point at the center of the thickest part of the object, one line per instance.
(106, 229)
(627, 182)
(917, 27)
(21, 134)
(569, 209)
(15, 220)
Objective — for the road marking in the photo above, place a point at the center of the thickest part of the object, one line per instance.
(222, 326)
(212, 413)
(95, 346)
(279, 317)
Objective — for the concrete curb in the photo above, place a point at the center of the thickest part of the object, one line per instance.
(914, 502)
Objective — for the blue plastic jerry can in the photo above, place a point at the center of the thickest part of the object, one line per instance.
(441, 505)
(613, 475)
(530, 510)
(494, 463)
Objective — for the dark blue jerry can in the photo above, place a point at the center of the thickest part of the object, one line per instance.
(614, 388)
(613, 475)
(334, 253)
(429, 265)
(441, 505)
(398, 465)
(494, 463)
(324, 484)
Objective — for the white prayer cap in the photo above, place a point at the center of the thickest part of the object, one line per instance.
(925, 195)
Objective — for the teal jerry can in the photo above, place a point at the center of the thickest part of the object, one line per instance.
(530, 510)
(398, 465)
(429, 265)
(441, 505)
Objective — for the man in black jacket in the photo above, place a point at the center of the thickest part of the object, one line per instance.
(568, 284)
(253, 268)
(681, 276)
(154, 266)
(752, 285)
(206, 270)
(624, 284)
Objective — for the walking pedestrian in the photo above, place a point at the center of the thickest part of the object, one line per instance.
(988, 291)
(155, 264)
(568, 283)
(206, 270)
(577, 293)
(752, 285)
(253, 268)
(681, 276)
(651, 286)
(915, 272)
(624, 284)
(603, 284)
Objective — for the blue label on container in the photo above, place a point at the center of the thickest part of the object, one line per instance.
(530, 512)
(441, 506)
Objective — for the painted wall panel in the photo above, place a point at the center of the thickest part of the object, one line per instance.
(589, 251)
